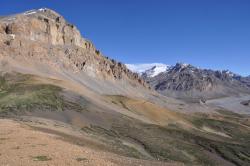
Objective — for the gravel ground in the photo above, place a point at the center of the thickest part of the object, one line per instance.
(20, 145)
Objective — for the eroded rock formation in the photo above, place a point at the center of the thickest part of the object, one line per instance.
(45, 36)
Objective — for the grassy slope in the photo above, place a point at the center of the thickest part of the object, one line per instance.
(18, 94)
(229, 138)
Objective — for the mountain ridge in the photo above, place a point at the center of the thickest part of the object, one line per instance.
(140, 70)
(43, 37)
(185, 80)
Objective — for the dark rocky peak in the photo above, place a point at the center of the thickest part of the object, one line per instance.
(199, 82)
(180, 67)
(226, 75)
(190, 70)
(183, 68)
(154, 67)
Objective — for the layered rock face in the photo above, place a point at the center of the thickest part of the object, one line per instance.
(46, 37)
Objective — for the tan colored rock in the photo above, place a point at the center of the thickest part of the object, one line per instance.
(46, 37)
(2, 29)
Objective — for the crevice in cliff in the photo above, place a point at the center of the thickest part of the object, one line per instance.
(8, 29)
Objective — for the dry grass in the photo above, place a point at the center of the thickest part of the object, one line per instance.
(57, 151)
(151, 111)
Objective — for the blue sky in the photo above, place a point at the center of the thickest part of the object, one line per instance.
(206, 33)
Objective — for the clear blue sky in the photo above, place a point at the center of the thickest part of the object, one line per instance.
(206, 33)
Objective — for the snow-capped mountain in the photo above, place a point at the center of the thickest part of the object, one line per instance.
(183, 79)
(148, 70)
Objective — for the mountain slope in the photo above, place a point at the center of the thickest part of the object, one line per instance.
(131, 127)
(57, 90)
(43, 42)
(187, 81)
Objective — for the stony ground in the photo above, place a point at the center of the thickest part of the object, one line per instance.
(22, 145)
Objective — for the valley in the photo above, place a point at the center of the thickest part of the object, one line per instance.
(141, 130)
(62, 102)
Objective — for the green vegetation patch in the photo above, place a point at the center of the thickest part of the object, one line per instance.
(234, 149)
(80, 159)
(114, 141)
(18, 94)
(41, 158)
(119, 100)
(174, 143)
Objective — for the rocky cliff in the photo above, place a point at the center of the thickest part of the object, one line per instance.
(45, 37)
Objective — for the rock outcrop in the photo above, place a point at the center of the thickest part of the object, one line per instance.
(46, 37)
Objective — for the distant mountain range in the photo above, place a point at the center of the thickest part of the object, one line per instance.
(187, 81)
